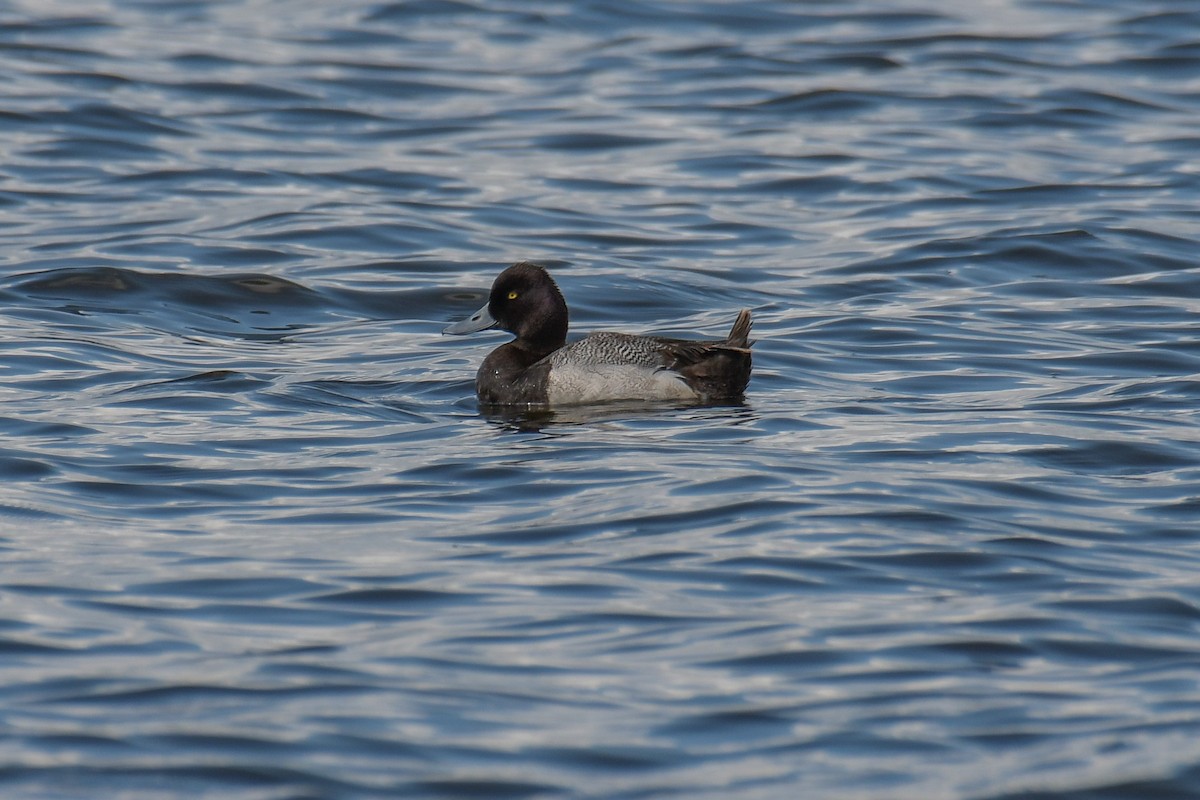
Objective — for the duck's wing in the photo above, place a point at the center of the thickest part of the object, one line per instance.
(653, 352)
(685, 353)
(614, 366)
(614, 349)
(709, 369)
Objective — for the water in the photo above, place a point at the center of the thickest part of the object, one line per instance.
(259, 542)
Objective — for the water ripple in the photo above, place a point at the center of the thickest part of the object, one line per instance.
(259, 541)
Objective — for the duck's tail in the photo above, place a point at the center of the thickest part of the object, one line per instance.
(718, 370)
(739, 334)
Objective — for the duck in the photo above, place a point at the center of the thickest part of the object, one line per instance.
(538, 368)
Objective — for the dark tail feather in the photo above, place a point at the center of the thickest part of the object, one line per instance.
(739, 335)
(720, 370)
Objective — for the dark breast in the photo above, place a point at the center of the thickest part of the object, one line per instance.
(511, 375)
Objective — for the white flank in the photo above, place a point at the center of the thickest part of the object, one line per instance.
(597, 383)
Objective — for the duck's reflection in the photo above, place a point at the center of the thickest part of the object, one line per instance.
(534, 419)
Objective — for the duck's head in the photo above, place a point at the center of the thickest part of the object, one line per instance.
(524, 301)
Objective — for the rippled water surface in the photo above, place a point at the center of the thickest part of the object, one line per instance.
(259, 542)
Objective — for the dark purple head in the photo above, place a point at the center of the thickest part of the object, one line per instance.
(524, 301)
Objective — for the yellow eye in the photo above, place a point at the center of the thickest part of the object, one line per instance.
(512, 295)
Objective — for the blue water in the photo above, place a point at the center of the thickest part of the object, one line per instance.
(259, 543)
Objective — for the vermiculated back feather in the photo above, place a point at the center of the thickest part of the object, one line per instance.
(614, 348)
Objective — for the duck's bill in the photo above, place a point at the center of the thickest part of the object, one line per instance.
(481, 320)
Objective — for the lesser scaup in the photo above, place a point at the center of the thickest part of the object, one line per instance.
(539, 368)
